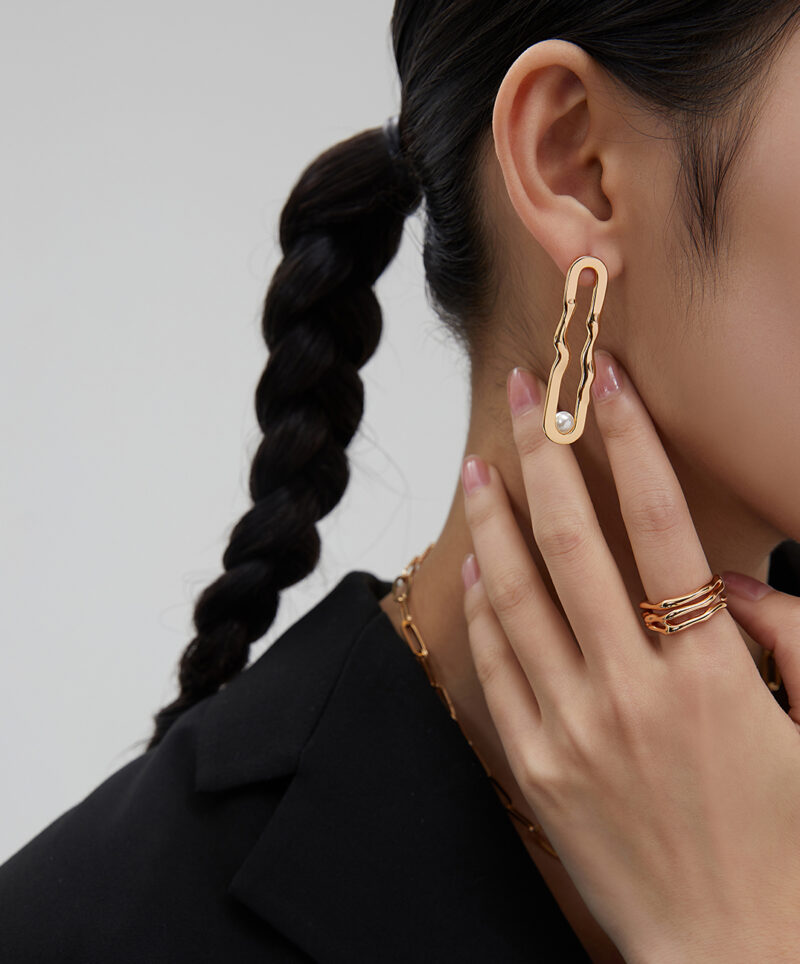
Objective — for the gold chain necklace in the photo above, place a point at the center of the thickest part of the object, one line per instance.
(401, 591)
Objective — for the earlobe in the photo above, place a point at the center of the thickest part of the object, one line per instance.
(553, 132)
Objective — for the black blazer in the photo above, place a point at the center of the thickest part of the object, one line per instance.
(323, 806)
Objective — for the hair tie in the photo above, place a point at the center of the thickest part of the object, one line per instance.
(391, 131)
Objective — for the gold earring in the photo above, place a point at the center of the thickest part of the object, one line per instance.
(560, 426)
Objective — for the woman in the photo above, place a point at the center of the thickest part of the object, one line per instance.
(329, 803)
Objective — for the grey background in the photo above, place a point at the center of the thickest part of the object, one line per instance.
(147, 150)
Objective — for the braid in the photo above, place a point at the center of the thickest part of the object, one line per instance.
(340, 227)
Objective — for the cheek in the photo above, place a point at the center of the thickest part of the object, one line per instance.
(723, 381)
(731, 404)
(747, 370)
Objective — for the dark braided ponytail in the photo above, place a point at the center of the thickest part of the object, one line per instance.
(340, 227)
(703, 66)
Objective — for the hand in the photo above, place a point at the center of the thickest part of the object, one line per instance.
(661, 767)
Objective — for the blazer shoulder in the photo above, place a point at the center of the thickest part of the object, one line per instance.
(153, 836)
(61, 888)
(257, 726)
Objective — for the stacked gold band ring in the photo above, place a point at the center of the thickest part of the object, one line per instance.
(668, 615)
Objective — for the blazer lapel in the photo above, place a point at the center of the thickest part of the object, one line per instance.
(389, 844)
(255, 728)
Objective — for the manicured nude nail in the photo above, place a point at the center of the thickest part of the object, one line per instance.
(474, 473)
(523, 391)
(607, 379)
(742, 585)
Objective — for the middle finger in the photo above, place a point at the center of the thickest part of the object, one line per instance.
(567, 532)
(668, 552)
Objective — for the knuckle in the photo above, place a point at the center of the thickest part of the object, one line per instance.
(577, 738)
(479, 510)
(618, 422)
(563, 534)
(633, 718)
(488, 666)
(622, 710)
(529, 436)
(656, 513)
(541, 776)
(512, 589)
(475, 604)
(705, 660)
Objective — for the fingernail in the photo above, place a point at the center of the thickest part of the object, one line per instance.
(474, 473)
(741, 585)
(607, 379)
(470, 571)
(523, 391)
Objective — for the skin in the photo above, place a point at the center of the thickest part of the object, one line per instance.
(574, 167)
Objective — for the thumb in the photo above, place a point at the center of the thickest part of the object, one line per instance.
(772, 619)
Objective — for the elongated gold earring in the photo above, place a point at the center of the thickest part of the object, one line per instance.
(560, 426)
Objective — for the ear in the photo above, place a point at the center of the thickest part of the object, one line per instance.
(565, 149)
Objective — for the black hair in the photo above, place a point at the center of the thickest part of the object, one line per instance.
(694, 63)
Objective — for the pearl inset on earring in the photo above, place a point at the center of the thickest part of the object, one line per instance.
(564, 422)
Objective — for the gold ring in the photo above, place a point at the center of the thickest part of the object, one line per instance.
(666, 616)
